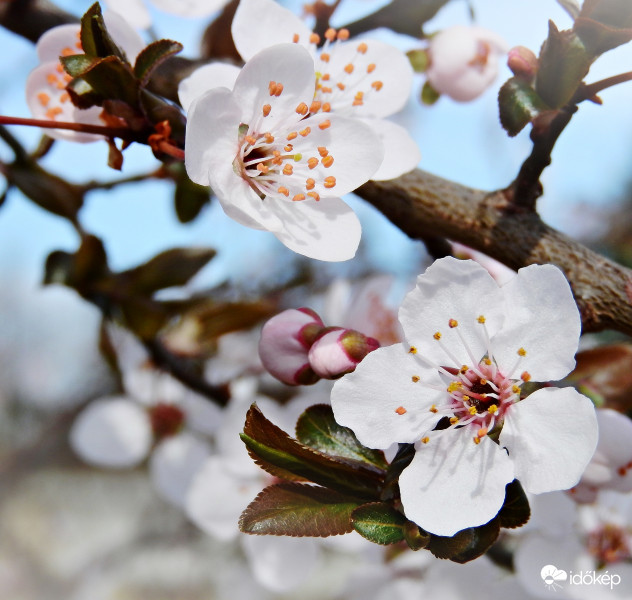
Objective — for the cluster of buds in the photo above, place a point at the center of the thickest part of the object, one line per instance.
(298, 349)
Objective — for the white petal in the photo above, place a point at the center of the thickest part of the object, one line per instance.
(204, 79)
(280, 563)
(367, 400)
(202, 414)
(288, 64)
(452, 289)
(125, 36)
(134, 11)
(542, 318)
(261, 23)
(401, 153)
(216, 498)
(112, 432)
(51, 43)
(327, 229)
(189, 8)
(453, 483)
(550, 436)
(390, 68)
(174, 463)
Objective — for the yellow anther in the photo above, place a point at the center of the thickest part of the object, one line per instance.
(325, 124)
(329, 182)
(400, 410)
(483, 381)
(310, 183)
(283, 190)
(437, 335)
(482, 432)
(415, 378)
(452, 323)
(464, 369)
(477, 440)
(297, 157)
(481, 319)
(493, 409)
(454, 386)
(472, 410)
(302, 109)
(343, 35)
(314, 38)
(487, 361)
(349, 68)
(433, 409)
(465, 398)
(425, 440)
(312, 163)
(522, 352)
(362, 48)
(515, 389)
(298, 197)
(454, 420)
(412, 350)
(288, 169)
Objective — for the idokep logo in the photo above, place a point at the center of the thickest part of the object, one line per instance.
(554, 578)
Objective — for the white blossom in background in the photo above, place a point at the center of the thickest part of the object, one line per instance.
(157, 418)
(136, 12)
(470, 346)
(46, 94)
(275, 167)
(464, 61)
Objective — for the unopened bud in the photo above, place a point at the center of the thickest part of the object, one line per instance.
(523, 63)
(338, 351)
(285, 342)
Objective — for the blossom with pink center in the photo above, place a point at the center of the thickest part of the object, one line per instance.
(46, 93)
(366, 79)
(464, 61)
(137, 14)
(275, 166)
(455, 391)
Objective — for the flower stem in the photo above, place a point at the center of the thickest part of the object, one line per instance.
(110, 132)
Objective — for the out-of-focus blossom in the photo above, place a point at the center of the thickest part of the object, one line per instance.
(46, 93)
(471, 345)
(464, 61)
(136, 13)
(274, 166)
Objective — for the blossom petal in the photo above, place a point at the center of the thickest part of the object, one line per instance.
(551, 436)
(325, 230)
(369, 400)
(134, 11)
(453, 483)
(401, 153)
(261, 23)
(381, 73)
(280, 563)
(204, 79)
(288, 64)
(189, 8)
(52, 43)
(174, 463)
(542, 318)
(112, 432)
(452, 289)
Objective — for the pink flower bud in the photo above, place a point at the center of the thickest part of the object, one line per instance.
(338, 351)
(522, 62)
(285, 342)
(464, 61)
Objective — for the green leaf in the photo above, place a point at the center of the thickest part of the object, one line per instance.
(152, 56)
(428, 94)
(564, 62)
(466, 544)
(280, 455)
(95, 39)
(380, 523)
(518, 105)
(317, 428)
(77, 64)
(171, 268)
(600, 37)
(78, 270)
(404, 456)
(82, 95)
(190, 198)
(156, 109)
(298, 509)
(515, 511)
(112, 79)
(615, 13)
(418, 60)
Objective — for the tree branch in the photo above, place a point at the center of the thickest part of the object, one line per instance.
(422, 205)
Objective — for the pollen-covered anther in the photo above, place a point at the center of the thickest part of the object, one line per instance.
(302, 109)
(452, 323)
(483, 381)
(436, 335)
(341, 86)
(370, 68)
(425, 440)
(493, 409)
(329, 182)
(415, 378)
(522, 352)
(400, 410)
(266, 110)
(314, 107)
(43, 98)
(343, 34)
(262, 168)
(454, 420)
(53, 113)
(295, 38)
(357, 103)
(326, 107)
(275, 88)
(487, 362)
(325, 57)
(359, 96)
(362, 48)
(481, 319)
(472, 410)
(314, 38)
(324, 125)
(323, 151)
(310, 183)
(327, 161)
(288, 169)
(251, 140)
(525, 376)
(283, 190)
(268, 137)
(454, 386)
(291, 136)
(314, 195)
(67, 51)
(434, 409)
(288, 148)
(330, 34)
(377, 85)
(349, 68)
(412, 350)
(305, 132)
(482, 432)
(312, 162)
(298, 197)
(464, 369)
(515, 389)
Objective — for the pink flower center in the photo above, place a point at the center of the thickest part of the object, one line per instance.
(166, 420)
(609, 544)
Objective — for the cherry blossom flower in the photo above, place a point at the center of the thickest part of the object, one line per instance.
(274, 166)
(454, 390)
(46, 93)
(137, 14)
(464, 61)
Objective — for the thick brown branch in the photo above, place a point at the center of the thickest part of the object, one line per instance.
(422, 205)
